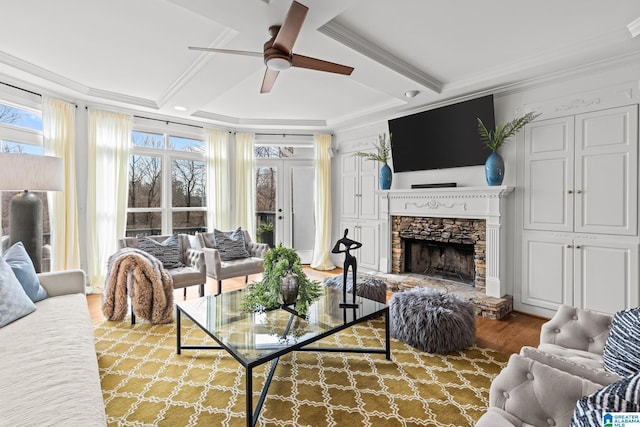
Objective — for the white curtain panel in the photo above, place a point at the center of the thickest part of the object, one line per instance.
(245, 183)
(218, 180)
(322, 194)
(109, 145)
(59, 128)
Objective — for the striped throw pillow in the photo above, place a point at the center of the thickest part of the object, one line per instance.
(167, 252)
(231, 244)
(622, 349)
(621, 396)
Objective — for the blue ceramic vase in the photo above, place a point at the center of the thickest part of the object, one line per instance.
(494, 169)
(385, 177)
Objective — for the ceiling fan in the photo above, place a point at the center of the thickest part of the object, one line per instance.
(277, 53)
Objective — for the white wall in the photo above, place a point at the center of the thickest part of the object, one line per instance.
(507, 105)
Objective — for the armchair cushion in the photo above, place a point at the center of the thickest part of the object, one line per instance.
(231, 244)
(622, 350)
(167, 251)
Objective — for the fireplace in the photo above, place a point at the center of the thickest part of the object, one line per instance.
(449, 261)
(443, 248)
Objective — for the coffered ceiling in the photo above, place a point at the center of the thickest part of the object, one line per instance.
(133, 54)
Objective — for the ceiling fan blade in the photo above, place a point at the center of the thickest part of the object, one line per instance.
(233, 52)
(302, 61)
(269, 79)
(291, 28)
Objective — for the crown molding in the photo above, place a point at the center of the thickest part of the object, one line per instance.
(120, 97)
(260, 123)
(352, 40)
(42, 73)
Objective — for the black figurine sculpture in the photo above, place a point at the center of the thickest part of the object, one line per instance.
(349, 261)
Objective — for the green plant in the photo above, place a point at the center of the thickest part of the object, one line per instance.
(265, 227)
(265, 294)
(383, 149)
(502, 132)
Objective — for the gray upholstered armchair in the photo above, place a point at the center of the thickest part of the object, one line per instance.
(220, 269)
(194, 270)
(541, 386)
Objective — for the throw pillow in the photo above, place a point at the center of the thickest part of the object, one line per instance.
(20, 262)
(622, 349)
(621, 396)
(231, 244)
(167, 252)
(14, 302)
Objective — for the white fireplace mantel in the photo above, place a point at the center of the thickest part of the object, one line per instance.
(456, 202)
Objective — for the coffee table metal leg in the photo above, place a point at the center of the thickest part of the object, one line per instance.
(179, 346)
(387, 339)
(248, 384)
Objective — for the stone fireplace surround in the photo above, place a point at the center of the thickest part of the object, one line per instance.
(443, 230)
(456, 203)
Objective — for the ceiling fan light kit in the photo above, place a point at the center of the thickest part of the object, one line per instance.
(278, 51)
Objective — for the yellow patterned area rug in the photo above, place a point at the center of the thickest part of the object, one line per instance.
(145, 383)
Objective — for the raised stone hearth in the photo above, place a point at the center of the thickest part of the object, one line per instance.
(486, 306)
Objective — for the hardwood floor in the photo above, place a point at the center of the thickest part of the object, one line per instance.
(506, 336)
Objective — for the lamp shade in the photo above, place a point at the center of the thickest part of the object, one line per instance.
(20, 172)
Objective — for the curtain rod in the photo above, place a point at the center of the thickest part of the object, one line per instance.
(22, 89)
(169, 121)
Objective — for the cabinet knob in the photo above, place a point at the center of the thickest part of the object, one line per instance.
(578, 246)
(579, 191)
(570, 192)
(569, 246)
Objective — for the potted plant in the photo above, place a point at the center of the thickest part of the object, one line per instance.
(494, 166)
(282, 268)
(383, 150)
(265, 233)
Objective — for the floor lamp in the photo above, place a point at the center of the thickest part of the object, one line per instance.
(27, 173)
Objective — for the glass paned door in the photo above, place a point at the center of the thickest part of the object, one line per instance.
(284, 204)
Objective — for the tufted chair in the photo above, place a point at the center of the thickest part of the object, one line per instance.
(530, 393)
(220, 270)
(541, 386)
(193, 273)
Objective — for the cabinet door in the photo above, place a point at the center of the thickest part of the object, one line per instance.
(350, 184)
(548, 179)
(606, 171)
(369, 237)
(605, 276)
(368, 188)
(547, 271)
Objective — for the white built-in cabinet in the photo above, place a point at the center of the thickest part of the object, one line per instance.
(359, 207)
(580, 211)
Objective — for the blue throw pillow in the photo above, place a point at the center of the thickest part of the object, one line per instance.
(14, 302)
(19, 261)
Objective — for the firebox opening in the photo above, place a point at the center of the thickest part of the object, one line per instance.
(442, 260)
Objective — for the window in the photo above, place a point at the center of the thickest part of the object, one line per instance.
(167, 184)
(21, 133)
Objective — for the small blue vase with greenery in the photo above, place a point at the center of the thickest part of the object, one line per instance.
(383, 149)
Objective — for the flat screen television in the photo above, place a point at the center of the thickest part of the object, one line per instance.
(445, 137)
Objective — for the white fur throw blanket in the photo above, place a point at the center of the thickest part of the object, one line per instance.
(150, 287)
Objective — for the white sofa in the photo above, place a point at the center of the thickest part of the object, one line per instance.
(49, 370)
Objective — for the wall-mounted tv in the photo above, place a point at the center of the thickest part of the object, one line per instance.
(445, 137)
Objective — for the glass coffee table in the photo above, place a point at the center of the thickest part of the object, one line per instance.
(256, 338)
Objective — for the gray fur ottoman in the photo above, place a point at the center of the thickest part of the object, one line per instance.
(367, 286)
(432, 320)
